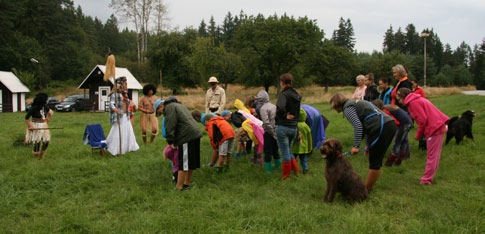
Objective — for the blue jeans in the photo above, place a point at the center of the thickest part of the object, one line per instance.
(303, 161)
(285, 136)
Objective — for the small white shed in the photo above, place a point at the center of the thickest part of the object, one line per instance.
(99, 89)
(12, 93)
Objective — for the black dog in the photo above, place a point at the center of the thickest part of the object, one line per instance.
(460, 127)
(340, 175)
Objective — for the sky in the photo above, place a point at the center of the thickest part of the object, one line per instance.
(453, 21)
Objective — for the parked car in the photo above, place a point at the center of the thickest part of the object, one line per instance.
(51, 103)
(72, 103)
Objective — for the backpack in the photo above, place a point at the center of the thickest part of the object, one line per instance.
(237, 119)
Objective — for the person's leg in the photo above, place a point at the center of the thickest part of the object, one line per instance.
(181, 178)
(377, 153)
(284, 137)
(276, 155)
(143, 126)
(43, 149)
(154, 125)
(188, 179)
(371, 179)
(434, 145)
(36, 149)
(304, 163)
(230, 148)
(215, 156)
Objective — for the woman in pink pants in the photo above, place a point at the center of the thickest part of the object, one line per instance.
(432, 124)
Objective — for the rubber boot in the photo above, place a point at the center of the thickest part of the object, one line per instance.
(294, 166)
(286, 169)
(371, 179)
(390, 160)
(267, 167)
(219, 169)
(277, 164)
(259, 162)
(399, 159)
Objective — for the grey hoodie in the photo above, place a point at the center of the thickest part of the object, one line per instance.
(267, 112)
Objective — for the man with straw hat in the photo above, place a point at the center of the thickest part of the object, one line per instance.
(215, 98)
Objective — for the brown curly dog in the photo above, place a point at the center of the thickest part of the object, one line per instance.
(340, 175)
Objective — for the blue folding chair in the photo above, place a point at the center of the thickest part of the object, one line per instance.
(94, 136)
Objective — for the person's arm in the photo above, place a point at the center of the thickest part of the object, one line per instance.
(281, 106)
(170, 123)
(222, 104)
(208, 96)
(350, 113)
(27, 119)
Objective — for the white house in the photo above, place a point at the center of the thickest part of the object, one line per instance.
(12, 93)
(99, 89)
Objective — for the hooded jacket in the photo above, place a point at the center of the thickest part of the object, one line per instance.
(267, 112)
(303, 141)
(288, 102)
(180, 126)
(431, 121)
(314, 120)
(219, 131)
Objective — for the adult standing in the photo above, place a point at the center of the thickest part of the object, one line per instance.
(368, 121)
(386, 90)
(432, 124)
(36, 120)
(287, 114)
(121, 138)
(215, 98)
(371, 92)
(401, 74)
(359, 92)
(148, 120)
(417, 89)
(182, 131)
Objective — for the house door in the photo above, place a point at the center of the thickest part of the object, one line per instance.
(103, 97)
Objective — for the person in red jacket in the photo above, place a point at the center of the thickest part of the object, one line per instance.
(432, 124)
(417, 89)
(222, 136)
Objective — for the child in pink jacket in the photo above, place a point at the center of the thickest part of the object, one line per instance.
(432, 124)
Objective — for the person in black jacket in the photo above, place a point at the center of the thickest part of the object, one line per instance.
(287, 113)
(371, 92)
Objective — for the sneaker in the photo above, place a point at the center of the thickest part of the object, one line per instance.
(425, 183)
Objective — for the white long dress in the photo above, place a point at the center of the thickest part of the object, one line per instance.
(128, 140)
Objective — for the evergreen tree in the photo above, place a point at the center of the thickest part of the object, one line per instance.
(344, 35)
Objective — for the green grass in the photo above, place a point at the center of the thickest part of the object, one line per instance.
(75, 191)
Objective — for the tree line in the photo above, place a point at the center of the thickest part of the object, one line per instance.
(251, 50)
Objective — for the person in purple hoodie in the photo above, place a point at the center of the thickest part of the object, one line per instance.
(432, 124)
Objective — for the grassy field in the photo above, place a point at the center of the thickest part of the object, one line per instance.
(75, 191)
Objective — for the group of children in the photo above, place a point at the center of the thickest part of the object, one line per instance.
(251, 128)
